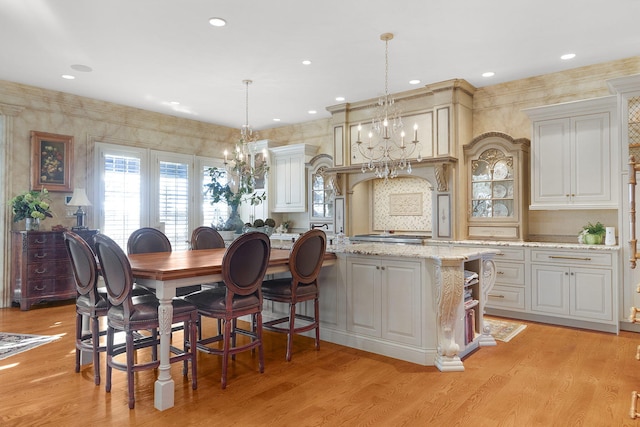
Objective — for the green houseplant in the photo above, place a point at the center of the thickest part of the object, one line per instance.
(32, 206)
(592, 234)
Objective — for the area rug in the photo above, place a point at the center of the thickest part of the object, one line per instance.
(11, 344)
(503, 330)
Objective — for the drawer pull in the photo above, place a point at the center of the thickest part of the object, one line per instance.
(499, 272)
(44, 239)
(495, 296)
(570, 257)
(40, 288)
(500, 254)
(44, 255)
(39, 271)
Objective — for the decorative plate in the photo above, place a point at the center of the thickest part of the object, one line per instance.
(500, 209)
(500, 170)
(499, 191)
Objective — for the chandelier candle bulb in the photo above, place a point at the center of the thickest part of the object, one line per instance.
(415, 132)
(359, 129)
(402, 139)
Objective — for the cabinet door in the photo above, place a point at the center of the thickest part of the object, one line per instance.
(363, 296)
(401, 316)
(290, 183)
(591, 159)
(550, 289)
(550, 162)
(591, 293)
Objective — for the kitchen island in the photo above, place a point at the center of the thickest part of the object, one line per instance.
(422, 304)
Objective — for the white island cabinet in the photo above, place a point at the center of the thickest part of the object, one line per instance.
(404, 301)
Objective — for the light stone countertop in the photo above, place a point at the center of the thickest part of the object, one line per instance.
(541, 245)
(443, 249)
(399, 250)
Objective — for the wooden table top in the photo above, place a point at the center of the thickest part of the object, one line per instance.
(183, 264)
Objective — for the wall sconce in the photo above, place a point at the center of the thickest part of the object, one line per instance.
(79, 199)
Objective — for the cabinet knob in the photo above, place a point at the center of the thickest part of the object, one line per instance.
(381, 268)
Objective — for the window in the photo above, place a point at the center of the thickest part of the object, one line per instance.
(322, 201)
(147, 188)
(173, 203)
(212, 214)
(120, 194)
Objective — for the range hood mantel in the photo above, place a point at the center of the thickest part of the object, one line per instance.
(440, 164)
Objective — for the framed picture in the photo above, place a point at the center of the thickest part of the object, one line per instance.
(51, 161)
(444, 215)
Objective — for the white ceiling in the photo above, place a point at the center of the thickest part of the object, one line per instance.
(147, 53)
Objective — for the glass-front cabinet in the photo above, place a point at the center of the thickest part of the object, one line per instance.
(497, 168)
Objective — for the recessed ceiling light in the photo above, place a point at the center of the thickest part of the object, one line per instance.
(312, 111)
(414, 82)
(568, 56)
(217, 22)
(488, 74)
(82, 68)
(68, 77)
(339, 98)
(276, 120)
(306, 62)
(174, 103)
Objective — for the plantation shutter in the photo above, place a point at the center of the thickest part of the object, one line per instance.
(121, 183)
(173, 202)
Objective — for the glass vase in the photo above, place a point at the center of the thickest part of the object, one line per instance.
(33, 224)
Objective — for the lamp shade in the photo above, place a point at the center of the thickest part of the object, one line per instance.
(79, 198)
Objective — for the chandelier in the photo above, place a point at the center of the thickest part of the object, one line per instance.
(386, 152)
(240, 172)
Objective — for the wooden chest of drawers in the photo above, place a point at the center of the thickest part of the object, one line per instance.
(40, 267)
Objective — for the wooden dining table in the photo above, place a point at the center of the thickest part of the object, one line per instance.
(167, 271)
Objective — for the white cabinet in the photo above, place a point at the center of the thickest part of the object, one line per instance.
(573, 284)
(509, 291)
(573, 155)
(383, 298)
(289, 175)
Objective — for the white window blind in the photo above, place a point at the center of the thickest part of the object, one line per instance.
(122, 196)
(173, 203)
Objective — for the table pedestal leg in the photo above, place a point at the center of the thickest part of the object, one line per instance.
(164, 386)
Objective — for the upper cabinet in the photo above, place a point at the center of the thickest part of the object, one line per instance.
(498, 172)
(574, 158)
(289, 176)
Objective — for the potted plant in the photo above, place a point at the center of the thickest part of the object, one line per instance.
(592, 234)
(32, 206)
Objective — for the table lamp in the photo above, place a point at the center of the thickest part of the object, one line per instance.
(79, 199)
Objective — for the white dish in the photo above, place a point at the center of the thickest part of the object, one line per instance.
(500, 170)
(499, 191)
(500, 209)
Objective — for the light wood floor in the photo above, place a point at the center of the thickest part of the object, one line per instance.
(546, 376)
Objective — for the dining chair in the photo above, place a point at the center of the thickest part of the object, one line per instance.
(205, 237)
(90, 302)
(129, 313)
(243, 268)
(148, 239)
(305, 262)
